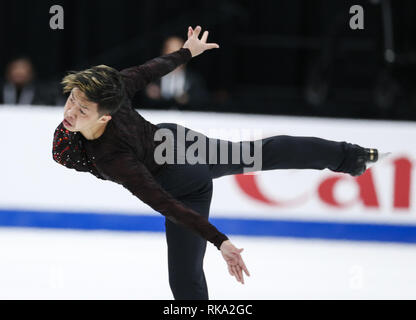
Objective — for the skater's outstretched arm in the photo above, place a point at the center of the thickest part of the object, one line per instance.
(138, 180)
(137, 77)
(126, 170)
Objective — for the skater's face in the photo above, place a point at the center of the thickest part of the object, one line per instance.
(80, 113)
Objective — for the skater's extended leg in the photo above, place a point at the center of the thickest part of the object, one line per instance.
(281, 152)
(292, 152)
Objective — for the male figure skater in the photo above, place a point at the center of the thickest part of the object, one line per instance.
(103, 134)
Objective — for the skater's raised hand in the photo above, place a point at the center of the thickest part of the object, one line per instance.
(195, 45)
(234, 261)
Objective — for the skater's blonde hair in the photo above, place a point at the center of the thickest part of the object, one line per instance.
(100, 84)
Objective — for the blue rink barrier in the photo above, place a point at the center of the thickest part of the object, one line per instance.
(230, 226)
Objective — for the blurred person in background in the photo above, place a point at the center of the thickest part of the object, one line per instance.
(180, 89)
(22, 88)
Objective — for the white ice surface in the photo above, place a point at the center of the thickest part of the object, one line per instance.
(57, 264)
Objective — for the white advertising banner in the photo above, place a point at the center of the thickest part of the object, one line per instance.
(384, 195)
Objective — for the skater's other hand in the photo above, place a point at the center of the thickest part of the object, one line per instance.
(234, 261)
(195, 45)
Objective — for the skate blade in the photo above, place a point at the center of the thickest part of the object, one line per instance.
(381, 157)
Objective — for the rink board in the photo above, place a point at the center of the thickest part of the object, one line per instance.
(242, 227)
(377, 206)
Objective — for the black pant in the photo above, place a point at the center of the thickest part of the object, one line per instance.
(192, 184)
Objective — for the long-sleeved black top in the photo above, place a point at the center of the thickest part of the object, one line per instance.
(124, 153)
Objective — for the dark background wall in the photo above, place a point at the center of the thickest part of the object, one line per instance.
(280, 57)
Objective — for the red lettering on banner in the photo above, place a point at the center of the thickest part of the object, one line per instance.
(402, 174)
(326, 191)
(248, 184)
(367, 194)
(367, 191)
